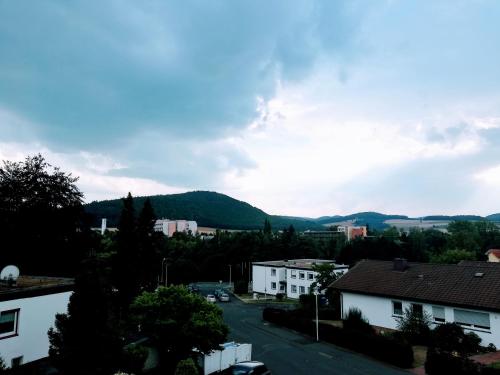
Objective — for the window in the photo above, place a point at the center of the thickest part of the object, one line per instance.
(294, 288)
(8, 323)
(273, 271)
(301, 275)
(310, 276)
(273, 285)
(282, 287)
(417, 309)
(472, 319)
(302, 290)
(16, 362)
(293, 274)
(397, 308)
(438, 314)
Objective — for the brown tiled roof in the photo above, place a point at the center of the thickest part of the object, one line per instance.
(459, 285)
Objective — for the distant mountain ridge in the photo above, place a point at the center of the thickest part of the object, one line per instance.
(211, 209)
(208, 209)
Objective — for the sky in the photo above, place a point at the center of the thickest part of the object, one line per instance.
(298, 107)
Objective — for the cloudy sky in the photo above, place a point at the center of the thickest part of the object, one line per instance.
(304, 108)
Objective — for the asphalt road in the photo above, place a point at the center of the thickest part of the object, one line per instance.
(287, 352)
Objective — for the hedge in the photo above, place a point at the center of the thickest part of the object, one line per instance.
(384, 348)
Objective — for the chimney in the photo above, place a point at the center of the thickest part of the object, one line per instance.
(400, 264)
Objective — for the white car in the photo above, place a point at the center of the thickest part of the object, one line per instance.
(224, 297)
(211, 298)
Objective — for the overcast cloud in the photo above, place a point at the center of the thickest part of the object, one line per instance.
(302, 108)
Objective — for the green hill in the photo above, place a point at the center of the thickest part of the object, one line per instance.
(207, 208)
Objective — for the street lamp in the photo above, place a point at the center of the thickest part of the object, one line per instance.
(316, 292)
(230, 265)
(166, 270)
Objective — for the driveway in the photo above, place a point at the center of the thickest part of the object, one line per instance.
(287, 352)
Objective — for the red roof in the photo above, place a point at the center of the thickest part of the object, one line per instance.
(495, 252)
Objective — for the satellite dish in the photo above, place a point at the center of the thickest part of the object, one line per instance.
(9, 273)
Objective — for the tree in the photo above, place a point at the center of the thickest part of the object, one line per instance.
(267, 227)
(178, 322)
(3, 368)
(415, 326)
(186, 367)
(127, 258)
(83, 341)
(41, 217)
(453, 256)
(148, 247)
(325, 275)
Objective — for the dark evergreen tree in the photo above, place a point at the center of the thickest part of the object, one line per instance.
(126, 275)
(83, 341)
(267, 227)
(148, 247)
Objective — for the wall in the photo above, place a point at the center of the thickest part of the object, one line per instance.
(378, 311)
(306, 283)
(36, 316)
(262, 279)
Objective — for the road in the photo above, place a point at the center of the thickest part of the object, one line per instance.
(286, 352)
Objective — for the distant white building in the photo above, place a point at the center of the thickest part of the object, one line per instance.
(28, 310)
(291, 277)
(351, 232)
(169, 227)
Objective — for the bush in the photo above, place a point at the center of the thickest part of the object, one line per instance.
(280, 296)
(356, 322)
(385, 348)
(415, 327)
(450, 337)
(186, 367)
(134, 357)
(439, 362)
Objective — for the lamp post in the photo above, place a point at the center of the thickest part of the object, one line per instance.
(166, 270)
(316, 292)
(230, 265)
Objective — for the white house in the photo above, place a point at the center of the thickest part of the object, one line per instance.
(169, 227)
(291, 277)
(466, 293)
(27, 310)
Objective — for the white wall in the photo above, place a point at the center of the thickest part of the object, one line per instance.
(298, 282)
(378, 311)
(36, 316)
(262, 279)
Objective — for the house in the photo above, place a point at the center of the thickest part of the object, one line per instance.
(493, 255)
(290, 277)
(466, 294)
(28, 308)
(351, 232)
(169, 227)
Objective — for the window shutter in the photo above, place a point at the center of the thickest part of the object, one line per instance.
(472, 317)
(438, 312)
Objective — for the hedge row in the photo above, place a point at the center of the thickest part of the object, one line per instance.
(445, 363)
(384, 348)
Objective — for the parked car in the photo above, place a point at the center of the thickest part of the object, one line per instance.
(248, 367)
(218, 292)
(211, 298)
(224, 297)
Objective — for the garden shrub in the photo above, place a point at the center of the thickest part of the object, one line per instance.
(356, 322)
(415, 327)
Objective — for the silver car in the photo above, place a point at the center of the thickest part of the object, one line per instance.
(224, 297)
(211, 298)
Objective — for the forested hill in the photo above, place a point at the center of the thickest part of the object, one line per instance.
(209, 209)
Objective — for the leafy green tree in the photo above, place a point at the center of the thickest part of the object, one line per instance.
(325, 275)
(186, 367)
(84, 341)
(35, 192)
(415, 326)
(453, 256)
(178, 322)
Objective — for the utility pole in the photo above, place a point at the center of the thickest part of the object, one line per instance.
(230, 265)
